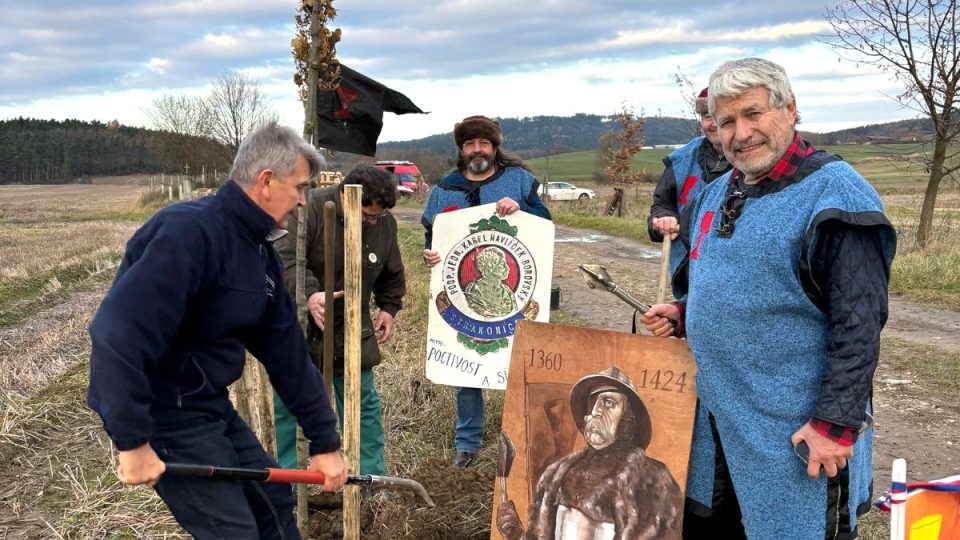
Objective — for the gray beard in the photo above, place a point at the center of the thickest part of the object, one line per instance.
(479, 166)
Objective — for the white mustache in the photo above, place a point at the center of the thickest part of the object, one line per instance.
(598, 426)
(735, 146)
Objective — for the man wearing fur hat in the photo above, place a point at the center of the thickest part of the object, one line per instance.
(688, 169)
(610, 488)
(485, 174)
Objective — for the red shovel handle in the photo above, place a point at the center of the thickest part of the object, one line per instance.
(295, 476)
(284, 476)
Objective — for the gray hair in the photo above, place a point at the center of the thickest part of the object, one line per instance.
(737, 76)
(272, 146)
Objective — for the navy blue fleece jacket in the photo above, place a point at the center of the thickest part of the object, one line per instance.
(199, 283)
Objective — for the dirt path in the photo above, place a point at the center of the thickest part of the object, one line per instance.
(921, 324)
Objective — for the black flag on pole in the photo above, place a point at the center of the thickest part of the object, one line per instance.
(349, 119)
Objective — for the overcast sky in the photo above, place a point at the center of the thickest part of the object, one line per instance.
(106, 59)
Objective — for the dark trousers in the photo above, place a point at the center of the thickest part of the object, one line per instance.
(222, 509)
(724, 519)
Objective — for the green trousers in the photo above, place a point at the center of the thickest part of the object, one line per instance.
(371, 427)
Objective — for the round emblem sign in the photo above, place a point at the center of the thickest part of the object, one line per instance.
(488, 277)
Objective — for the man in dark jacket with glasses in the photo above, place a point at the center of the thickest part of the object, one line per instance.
(687, 171)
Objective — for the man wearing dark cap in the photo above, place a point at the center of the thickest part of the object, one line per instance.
(610, 488)
(485, 174)
(688, 169)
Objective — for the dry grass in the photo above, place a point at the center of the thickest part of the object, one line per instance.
(44, 346)
(58, 239)
(45, 203)
(41, 248)
(930, 275)
(59, 245)
(57, 480)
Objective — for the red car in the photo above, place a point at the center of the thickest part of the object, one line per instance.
(407, 174)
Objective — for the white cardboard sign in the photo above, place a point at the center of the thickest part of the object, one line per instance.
(493, 272)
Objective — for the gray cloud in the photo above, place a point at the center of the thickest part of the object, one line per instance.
(57, 48)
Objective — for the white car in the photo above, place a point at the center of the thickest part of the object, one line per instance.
(562, 191)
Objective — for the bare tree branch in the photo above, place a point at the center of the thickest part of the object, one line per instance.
(237, 106)
(181, 114)
(916, 41)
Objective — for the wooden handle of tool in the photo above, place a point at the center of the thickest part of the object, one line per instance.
(664, 269)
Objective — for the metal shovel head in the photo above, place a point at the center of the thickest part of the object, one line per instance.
(596, 276)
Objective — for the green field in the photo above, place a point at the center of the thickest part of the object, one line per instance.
(883, 165)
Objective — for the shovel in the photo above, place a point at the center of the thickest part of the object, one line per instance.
(295, 476)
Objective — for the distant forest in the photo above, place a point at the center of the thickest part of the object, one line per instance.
(537, 136)
(51, 151)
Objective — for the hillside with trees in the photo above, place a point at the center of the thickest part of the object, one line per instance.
(537, 136)
(59, 151)
(903, 131)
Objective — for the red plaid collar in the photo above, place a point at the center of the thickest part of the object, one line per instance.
(787, 165)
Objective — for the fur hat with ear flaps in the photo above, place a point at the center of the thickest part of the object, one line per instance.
(477, 127)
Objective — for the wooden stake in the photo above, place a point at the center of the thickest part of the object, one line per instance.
(265, 427)
(351, 379)
(664, 269)
(329, 247)
(242, 390)
(300, 279)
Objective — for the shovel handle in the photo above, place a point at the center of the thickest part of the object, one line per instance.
(293, 476)
(281, 476)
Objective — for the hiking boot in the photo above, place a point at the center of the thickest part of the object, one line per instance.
(463, 459)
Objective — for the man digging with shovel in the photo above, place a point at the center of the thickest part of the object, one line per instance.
(199, 283)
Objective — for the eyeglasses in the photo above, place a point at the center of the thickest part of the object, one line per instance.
(372, 217)
(731, 209)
